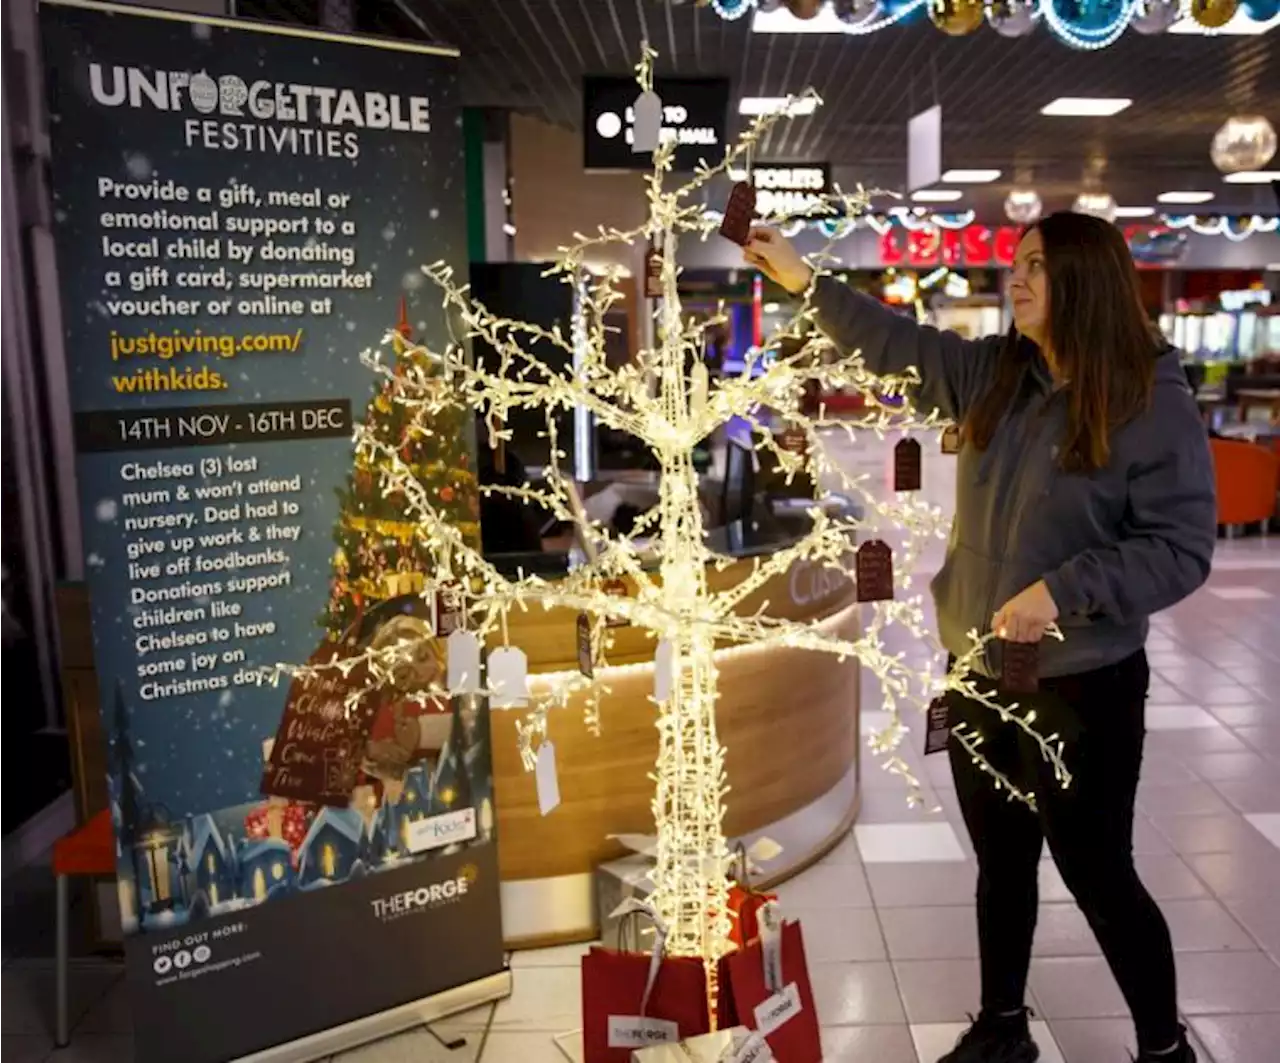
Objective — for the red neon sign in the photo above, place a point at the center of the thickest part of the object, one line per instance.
(977, 246)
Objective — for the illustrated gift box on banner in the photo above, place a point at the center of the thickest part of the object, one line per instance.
(766, 987)
(632, 1000)
(737, 1045)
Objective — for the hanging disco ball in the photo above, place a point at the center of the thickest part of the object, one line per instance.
(1023, 206)
(956, 18)
(1261, 10)
(1098, 204)
(1245, 142)
(804, 9)
(856, 12)
(1214, 14)
(1153, 17)
(1013, 18)
(731, 9)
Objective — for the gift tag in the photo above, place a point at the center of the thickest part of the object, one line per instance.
(546, 780)
(463, 650)
(873, 569)
(770, 921)
(939, 729)
(738, 213)
(653, 274)
(636, 1032)
(1020, 667)
(664, 667)
(646, 130)
(795, 440)
(907, 465)
(753, 1049)
(951, 439)
(447, 609)
(586, 656)
(778, 1009)
(508, 678)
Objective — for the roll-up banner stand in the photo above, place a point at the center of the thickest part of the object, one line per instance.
(240, 210)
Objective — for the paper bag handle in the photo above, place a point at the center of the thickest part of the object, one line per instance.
(629, 911)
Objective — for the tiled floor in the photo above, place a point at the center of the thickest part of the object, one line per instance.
(887, 915)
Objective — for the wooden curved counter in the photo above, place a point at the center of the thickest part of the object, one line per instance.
(788, 720)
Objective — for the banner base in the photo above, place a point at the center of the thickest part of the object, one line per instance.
(386, 1023)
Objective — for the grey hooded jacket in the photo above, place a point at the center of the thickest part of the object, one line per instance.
(1113, 546)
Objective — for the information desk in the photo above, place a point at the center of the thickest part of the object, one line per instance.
(788, 720)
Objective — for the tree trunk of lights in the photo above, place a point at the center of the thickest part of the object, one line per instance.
(691, 890)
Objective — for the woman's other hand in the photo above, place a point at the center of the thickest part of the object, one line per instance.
(772, 253)
(1027, 615)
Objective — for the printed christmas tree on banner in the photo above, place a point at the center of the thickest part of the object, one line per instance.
(379, 557)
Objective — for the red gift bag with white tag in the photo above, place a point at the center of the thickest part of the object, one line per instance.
(633, 1000)
(766, 987)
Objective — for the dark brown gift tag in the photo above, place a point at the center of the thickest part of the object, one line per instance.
(795, 440)
(951, 439)
(318, 746)
(738, 214)
(1020, 667)
(448, 609)
(653, 274)
(907, 465)
(939, 726)
(586, 655)
(873, 567)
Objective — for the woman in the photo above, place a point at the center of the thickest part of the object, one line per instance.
(1085, 498)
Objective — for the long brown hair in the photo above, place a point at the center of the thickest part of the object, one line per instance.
(1103, 342)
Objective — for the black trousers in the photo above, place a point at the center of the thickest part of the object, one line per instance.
(1089, 828)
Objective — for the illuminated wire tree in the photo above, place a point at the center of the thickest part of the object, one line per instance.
(664, 399)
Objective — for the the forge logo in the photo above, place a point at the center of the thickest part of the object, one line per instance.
(426, 898)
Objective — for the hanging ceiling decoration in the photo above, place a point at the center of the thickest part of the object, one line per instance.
(1083, 24)
(1023, 206)
(1099, 204)
(1245, 142)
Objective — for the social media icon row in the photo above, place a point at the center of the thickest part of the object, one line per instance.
(182, 959)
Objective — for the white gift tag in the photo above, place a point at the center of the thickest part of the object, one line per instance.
(508, 678)
(464, 662)
(647, 128)
(634, 1031)
(778, 1009)
(664, 666)
(770, 922)
(754, 1049)
(546, 780)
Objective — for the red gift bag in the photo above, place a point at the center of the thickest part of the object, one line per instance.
(632, 1000)
(745, 902)
(766, 987)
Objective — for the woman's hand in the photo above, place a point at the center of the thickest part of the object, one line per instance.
(771, 253)
(1027, 615)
